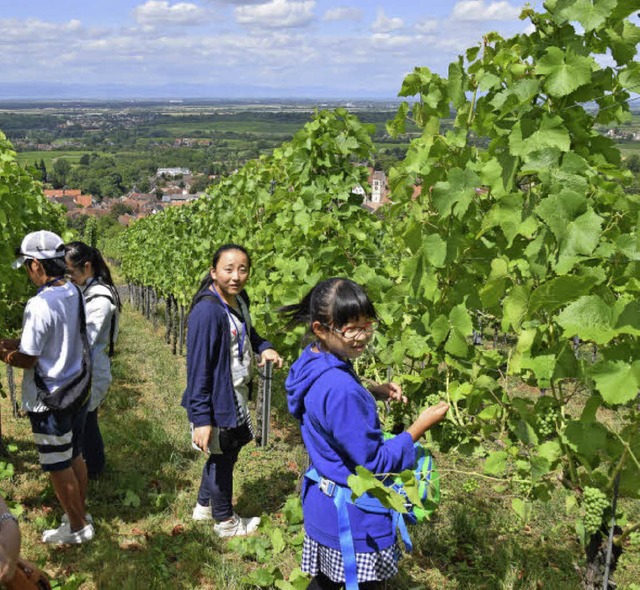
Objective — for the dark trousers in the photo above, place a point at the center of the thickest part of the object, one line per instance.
(216, 487)
(93, 446)
(321, 582)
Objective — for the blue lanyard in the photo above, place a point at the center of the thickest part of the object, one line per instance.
(242, 332)
(91, 281)
(49, 283)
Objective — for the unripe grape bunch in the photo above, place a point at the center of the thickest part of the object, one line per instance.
(595, 503)
(547, 424)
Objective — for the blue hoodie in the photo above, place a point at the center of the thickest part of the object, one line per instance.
(209, 397)
(340, 428)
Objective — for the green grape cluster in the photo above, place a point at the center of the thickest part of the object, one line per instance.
(433, 399)
(524, 488)
(547, 424)
(388, 422)
(470, 486)
(548, 416)
(595, 503)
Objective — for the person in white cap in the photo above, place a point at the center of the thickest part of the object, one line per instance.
(51, 350)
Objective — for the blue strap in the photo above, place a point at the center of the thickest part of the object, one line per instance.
(346, 540)
(400, 524)
(341, 496)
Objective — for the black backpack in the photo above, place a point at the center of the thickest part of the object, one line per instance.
(72, 395)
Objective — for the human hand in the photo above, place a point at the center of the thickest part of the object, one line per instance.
(428, 418)
(391, 391)
(9, 343)
(201, 436)
(270, 355)
(433, 414)
(7, 346)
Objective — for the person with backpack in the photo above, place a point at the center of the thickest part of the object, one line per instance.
(54, 353)
(221, 343)
(341, 430)
(88, 270)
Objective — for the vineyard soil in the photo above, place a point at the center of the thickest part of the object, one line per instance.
(142, 506)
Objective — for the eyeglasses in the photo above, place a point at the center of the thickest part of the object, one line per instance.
(353, 332)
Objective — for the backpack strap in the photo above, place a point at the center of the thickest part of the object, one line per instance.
(112, 327)
(244, 311)
(342, 496)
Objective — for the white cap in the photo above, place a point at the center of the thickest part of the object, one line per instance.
(41, 245)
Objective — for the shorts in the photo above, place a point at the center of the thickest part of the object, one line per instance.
(58, 437)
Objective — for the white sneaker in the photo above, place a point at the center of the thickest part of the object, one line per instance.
(65, 518)
(236, 526)
(63, 534)
(201, 512)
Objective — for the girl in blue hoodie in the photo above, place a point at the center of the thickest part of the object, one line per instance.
(341, 429)
(220, 346)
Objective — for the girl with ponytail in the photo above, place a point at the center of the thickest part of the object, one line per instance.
(341, 430)
(87, 269)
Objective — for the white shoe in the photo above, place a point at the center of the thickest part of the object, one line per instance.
(236, 526)
(65, 518)
(63, 534)
(201, 512)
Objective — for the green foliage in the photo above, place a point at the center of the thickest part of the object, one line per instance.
(23, 208)
(538, 233)
(90, 235)
(275, 539)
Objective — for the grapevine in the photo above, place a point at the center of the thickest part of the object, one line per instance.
(23, 208)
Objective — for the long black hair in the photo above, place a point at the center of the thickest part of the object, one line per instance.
(207, 281)
(80, 253)
(332, 302)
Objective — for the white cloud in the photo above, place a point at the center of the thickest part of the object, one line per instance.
(276, 14)
(243, 2)
(392, 42)
(342, 13)
(427, 26)
(384, 24)
(480, 10)
(34, 30)
(158, 13)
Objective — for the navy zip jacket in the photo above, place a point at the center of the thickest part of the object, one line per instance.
(340, 428)
(209, 397)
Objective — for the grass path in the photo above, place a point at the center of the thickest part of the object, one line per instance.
(145, 538)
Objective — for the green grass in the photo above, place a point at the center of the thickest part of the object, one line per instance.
(50, 156)
(142, 505)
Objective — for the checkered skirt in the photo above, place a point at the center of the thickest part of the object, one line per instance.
(371, 567)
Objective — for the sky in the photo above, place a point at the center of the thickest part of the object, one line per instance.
(108, 49)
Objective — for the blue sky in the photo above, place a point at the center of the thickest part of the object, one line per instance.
(235, 48)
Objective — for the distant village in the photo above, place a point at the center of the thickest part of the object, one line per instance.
(176, 193)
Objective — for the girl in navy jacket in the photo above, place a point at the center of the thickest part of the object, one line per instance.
(341, 429)
(220, 347)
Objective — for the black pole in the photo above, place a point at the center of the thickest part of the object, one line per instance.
(266, 403)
